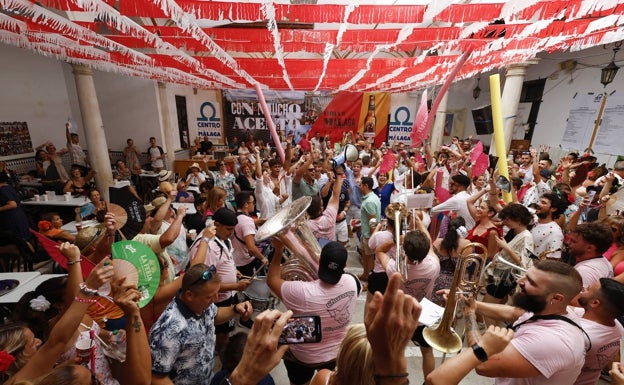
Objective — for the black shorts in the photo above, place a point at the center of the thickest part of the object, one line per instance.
(377, 282)
(227, 326)
(418, 337)
(300, 373)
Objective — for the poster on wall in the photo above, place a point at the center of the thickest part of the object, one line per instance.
(206, 118)
(365, 113)
(581, 119)
(15, 138)
(291, 111)
(609, 139)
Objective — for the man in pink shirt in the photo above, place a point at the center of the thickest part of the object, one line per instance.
(332, 296)
(586, 243)
(247, 255)
(321, 222)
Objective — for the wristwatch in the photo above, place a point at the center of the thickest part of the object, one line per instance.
(479, 352)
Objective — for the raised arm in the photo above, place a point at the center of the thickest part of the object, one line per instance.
(138, 364)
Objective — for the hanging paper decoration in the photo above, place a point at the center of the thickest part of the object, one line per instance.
(419, 132)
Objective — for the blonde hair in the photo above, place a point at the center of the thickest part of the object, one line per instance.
(213, 197)
(354, 363)
(12, 341)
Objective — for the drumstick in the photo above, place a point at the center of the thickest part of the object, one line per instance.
(257, 271)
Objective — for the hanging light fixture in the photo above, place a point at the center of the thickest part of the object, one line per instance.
(608, 73)
(477, 90)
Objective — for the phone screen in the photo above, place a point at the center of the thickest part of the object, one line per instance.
(301, 330)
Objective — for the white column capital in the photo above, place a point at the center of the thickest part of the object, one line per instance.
(80, 69)
(162, 85)
(519, 69)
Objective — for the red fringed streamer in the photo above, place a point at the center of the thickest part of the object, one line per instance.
(387, 162)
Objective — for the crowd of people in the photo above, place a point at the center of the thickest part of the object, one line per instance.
(553, 268)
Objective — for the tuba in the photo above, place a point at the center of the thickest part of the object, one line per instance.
(290, 227)
(442, 337)
(398, 211)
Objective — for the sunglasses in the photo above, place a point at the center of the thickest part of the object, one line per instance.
(205, 276)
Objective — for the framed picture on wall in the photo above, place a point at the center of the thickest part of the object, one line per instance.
(15, 138)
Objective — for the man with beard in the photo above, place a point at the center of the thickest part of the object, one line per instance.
(586, 244)
(549, 345)
(547, 234)
(601, 305)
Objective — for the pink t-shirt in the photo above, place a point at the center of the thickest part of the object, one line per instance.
(592, 270)
(220, 254)
(377, 239)
(605, 345)
(325, 225)
(420, 277)
(336, 306)
(555, 347)
(245, 226)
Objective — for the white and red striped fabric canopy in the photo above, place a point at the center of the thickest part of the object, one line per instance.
(306, 45)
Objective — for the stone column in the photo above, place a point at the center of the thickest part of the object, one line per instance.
(514, 80)
(437, 131)
(167, 131)
(95, 137)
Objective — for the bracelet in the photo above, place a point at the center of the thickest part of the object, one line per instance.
(90, 301)
(84, 300)
(84, 289)
(69, 263)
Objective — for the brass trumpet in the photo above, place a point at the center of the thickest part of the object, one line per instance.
(442, 337)
(398, 211)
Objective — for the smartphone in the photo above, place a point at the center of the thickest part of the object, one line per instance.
(303, 329)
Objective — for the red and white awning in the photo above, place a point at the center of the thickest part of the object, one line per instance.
(305, 44)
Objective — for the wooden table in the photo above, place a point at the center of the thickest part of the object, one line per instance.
(181, 166)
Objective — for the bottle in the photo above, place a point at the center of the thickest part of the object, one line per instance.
(371, 121)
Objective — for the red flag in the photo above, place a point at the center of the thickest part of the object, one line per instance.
(476, 152)
(419, 132)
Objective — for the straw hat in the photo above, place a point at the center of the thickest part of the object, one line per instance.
(195, 165)
(164, 175)
(89, 236)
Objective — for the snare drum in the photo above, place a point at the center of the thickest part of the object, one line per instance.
(258, 293)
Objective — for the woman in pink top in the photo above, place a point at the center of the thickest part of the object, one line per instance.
(615, 253)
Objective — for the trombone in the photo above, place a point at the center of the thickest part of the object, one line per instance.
(442, 337)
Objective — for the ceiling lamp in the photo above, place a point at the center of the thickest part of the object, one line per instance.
(608, 73)
(477, 90)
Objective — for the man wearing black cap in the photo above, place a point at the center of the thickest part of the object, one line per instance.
(218, 251)
(332, 296)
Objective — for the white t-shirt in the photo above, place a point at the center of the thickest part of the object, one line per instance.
(458, 204)
(335, 304)
(605, 345)
(547, 236)
(245, 226)
(554, 347)
(325, 225)
(593, 269)
(154, 152)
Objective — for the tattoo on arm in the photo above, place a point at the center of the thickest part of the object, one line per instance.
(136, 324)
